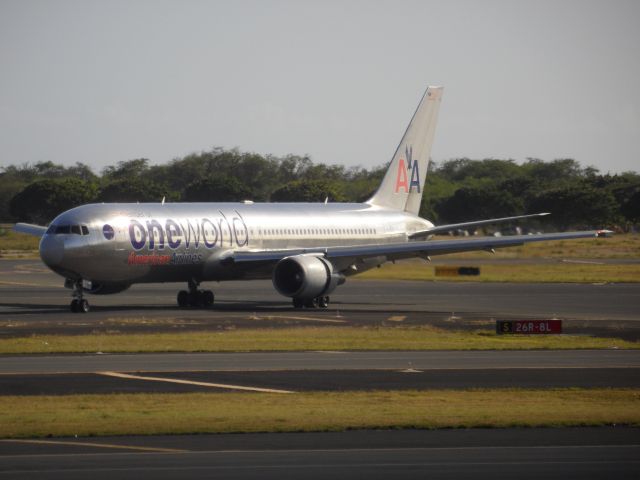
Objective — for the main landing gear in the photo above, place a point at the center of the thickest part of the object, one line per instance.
(195, 297)
(78, 304)
(318, 302)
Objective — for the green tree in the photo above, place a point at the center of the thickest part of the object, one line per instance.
(580, 206)
(135, 190)
(127, 169)
(631, 208)
(555, 173)
(462, 169)
(9, 187)
(478, 203)
(308, 191)
(217, 189)
(43, 200)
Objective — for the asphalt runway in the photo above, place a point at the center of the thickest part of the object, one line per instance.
(320, 380)
(33, 300)
(325, 360)
(283, 372)
(599, 453)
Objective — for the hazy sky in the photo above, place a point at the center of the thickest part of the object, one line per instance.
(104, 81)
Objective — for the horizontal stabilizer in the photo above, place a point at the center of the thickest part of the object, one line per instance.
(477, 223)
(35, 230)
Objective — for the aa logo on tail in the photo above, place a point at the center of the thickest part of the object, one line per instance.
(408, 173)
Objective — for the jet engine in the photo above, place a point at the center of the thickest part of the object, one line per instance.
(305, 276)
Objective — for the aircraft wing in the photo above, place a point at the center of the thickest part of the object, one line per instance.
(395, 251)
(477, 223)
(29, 229)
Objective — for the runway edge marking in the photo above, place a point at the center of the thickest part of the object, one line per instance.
(97, 445)
(193, 382)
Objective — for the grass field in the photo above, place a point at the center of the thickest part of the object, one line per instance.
(505, 272)
(146, 414)
(304, 339)
(13, 241)
(616, 246)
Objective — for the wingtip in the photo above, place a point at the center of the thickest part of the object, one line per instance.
(604, 233)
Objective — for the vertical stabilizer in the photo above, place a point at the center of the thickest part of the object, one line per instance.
(403, 184)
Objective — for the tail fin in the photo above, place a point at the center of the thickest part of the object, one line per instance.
(402, 185)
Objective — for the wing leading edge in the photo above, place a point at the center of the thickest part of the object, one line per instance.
(413, 248)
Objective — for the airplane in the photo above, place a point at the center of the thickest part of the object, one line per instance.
(306, 249)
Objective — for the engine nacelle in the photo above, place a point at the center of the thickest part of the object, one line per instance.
(104, 288)
(305, 276)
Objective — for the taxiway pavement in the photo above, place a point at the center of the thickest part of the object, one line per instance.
(319, 380)
(479, 453)
(367, 360)
(33, 300)
(331, 371)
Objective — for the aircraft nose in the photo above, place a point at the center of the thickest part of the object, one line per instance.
(51, 250)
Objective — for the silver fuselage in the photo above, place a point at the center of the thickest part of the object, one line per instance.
(174, 242)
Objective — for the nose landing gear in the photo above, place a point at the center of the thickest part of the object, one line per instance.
(195, 297)
(78, 304)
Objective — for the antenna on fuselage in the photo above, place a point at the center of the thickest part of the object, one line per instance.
(163, 200)
(326, 200)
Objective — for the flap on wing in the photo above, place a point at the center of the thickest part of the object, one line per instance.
(29, 229)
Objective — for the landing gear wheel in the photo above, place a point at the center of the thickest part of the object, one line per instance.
(195, 298)
(79, 305)
(183, 298)
(298, 303)
(83, 306)
(207, 298)
(311, 303)
(323, 302)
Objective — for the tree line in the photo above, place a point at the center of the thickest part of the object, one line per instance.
(456, 190)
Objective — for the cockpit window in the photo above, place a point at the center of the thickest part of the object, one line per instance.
(67, 229)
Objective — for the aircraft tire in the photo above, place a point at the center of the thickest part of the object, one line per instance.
(195, 299)
(323, 302)
(311, 303)
(183, 298)
(298, 303)
(207, 298)
(74, 305)
(83, 306)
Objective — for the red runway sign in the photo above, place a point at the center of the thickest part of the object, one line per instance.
(528, 327)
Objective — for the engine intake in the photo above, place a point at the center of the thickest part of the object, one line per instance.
(305, 276)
